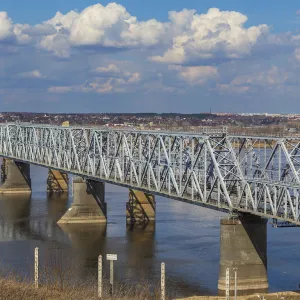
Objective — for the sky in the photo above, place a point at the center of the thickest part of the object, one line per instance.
(150, 56)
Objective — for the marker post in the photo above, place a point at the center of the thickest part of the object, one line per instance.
(111, 258)
(163, 281)
(100, 276)
(36, 267)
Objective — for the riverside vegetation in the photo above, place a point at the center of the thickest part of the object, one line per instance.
(10, 289)
(59, 281)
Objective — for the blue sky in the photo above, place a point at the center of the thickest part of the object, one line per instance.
(136, 56)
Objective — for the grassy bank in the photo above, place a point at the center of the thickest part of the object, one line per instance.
(12, 290)
(62, 277)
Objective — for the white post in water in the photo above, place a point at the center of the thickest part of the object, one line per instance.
(100, 276)
(235, 283)
(227, 285)
(163, 281)
(111, 258)
(36, 267)
(111, 277)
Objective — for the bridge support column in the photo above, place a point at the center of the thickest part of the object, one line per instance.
(88, 203)
(57, 182)
(140, 209)
(243, 245)
(15, 177)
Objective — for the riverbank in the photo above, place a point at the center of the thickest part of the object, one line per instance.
(11, 290)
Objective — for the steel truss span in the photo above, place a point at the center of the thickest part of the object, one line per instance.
(258, 175)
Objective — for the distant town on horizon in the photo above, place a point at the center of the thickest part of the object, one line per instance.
(234, 122)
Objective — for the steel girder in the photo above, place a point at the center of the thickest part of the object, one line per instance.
(257, 175)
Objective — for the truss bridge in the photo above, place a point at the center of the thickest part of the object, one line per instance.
(255, 175)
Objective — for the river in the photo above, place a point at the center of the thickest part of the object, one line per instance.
(185, 237)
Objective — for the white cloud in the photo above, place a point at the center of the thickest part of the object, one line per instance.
(190, 37)
(297, 54)
(56, 43)
(61, 89)
(196, 75)
(118, 75)
(62, 22)
(298, 12)
(111, 68)
(12, 32)
(273, 78)
(113, 26)
(58, 38)
(21, 36)
(6, 26)
(231, 88)
(109, 26)
(96, 87)
(133, 77)
(187, 38)
(108, 79)
(31, 74)
(214, 35)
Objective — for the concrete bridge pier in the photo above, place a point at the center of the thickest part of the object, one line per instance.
(57, 182)
(140, 209)
(15, 177)
(88, 203)
(243, 245)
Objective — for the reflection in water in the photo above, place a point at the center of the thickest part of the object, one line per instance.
(15, 207)
(57, 205)
(140, 250)
(15, 211)
(88, 242)
(20, 219)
